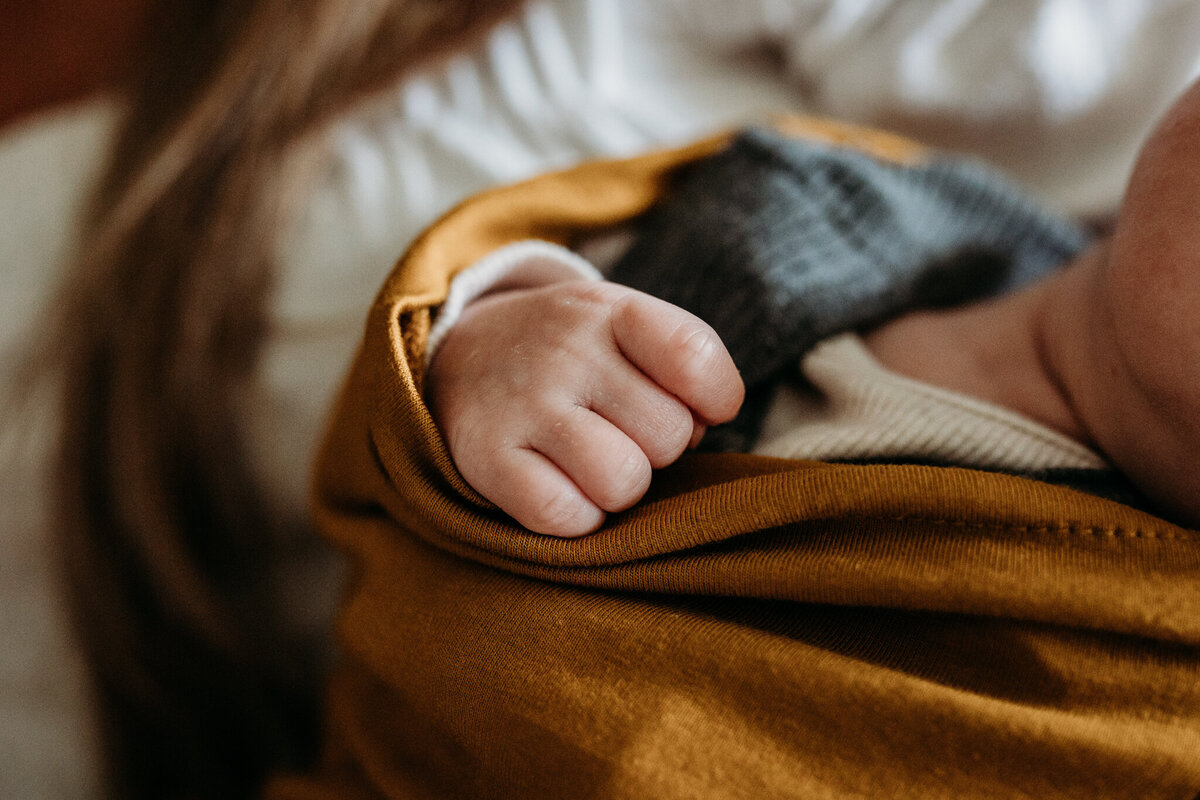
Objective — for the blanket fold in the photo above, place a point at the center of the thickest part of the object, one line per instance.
(755, 627)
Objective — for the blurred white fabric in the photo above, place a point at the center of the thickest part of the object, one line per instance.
(1059, 93)
(47, 167)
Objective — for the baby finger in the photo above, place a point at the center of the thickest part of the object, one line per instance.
(606, 465)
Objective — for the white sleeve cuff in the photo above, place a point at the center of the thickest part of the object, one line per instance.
(524, 264)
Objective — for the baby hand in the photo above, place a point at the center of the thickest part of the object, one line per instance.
(557, 402)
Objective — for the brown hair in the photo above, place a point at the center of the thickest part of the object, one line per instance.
(166, 539)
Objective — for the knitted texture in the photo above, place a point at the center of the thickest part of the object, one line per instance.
(859, 410)
(780, 242)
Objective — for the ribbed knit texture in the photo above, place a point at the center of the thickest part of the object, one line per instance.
(780, 242)
(756, 627)
(854, 409)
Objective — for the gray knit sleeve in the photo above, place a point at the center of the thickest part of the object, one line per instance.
(779, 243)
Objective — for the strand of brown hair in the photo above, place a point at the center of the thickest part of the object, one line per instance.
(166, 539)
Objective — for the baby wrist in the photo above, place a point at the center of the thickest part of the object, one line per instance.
(524, 264)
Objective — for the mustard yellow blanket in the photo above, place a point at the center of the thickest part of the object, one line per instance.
(755, 628)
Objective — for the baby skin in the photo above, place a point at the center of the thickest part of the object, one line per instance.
(558, 401)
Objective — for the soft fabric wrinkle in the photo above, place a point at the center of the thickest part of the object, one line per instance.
(756, 627)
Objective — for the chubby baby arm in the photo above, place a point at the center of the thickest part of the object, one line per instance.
(1122, 327)
(558, 401)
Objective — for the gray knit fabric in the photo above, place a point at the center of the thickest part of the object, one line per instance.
(779, 243)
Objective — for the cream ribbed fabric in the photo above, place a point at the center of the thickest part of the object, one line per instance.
(858, 409)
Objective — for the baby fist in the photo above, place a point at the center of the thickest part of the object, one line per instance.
(557, 402)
